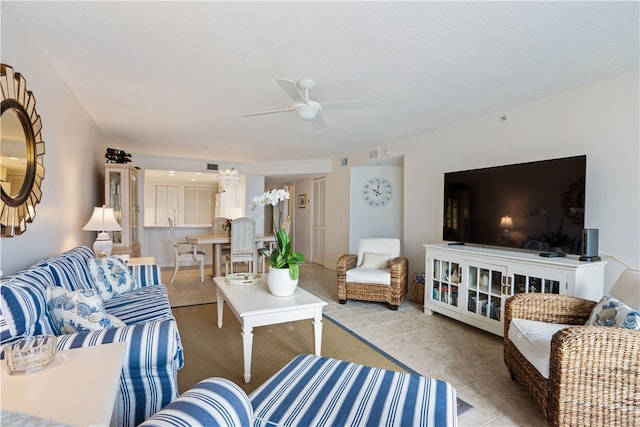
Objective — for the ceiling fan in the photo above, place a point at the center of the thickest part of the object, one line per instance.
(306, 108)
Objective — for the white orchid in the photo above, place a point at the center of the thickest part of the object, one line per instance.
(272, 197)
(282, 256)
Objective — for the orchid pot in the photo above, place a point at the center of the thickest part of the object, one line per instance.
(280, 282)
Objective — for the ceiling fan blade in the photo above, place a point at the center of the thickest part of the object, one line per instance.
(290, 87)
(261, 113)
(348, 105)
(318, 122)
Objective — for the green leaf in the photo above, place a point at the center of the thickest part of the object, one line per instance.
(283, 256)
(294, 271)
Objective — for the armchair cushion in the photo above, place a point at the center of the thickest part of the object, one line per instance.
(375, 260)
(533, 339)
(369, 275)
(612, 312)
(380, 245)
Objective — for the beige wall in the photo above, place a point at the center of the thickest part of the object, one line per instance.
(599, 119)
(73, 160)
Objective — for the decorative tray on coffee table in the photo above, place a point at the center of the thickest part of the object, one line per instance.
(244, 279)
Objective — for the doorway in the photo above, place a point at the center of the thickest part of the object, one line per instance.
(318, 221)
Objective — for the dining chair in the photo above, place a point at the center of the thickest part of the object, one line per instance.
(217, 228)
(184, 251)
(242, 244)
(217, 225)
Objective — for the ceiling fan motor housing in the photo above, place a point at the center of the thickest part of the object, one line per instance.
(305, 84)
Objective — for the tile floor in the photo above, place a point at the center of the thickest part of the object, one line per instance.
(468, 358)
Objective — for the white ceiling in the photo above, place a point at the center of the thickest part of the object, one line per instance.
(172, 78)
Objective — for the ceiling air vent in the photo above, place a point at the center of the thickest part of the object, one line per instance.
(212, 167)
(374, 154)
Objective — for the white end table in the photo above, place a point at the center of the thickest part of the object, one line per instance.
(254, 305)
(79, 388)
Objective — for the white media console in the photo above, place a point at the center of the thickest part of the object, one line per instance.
(471, 283)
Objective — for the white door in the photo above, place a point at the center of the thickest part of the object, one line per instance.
(317, 221)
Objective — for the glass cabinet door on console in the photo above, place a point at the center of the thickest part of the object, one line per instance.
(445, 281)
(121, 193)
(535, 281)
(485, 290)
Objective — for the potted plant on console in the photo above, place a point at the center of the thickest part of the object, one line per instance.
(284, 263)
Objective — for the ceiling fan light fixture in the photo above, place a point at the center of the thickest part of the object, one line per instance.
(307, 111)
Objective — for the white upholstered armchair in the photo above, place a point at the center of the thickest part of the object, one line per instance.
(376, 273)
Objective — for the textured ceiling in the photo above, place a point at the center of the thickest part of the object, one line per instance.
(173, 78)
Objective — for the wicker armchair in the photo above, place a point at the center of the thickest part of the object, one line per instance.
(594, 371)
(392, 289)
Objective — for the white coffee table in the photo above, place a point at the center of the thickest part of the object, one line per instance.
(254, 305)
(79, 388)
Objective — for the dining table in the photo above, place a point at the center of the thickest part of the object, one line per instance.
(219, 240)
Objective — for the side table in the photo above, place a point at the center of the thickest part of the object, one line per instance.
(145, 260)
(79, 388)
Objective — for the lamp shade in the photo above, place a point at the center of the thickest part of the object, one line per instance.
(506, 223)
(102, 219)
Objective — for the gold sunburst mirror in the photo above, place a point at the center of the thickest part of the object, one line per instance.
(21, 154)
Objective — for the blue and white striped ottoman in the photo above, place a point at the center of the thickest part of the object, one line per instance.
(316, 391)
(319, 391)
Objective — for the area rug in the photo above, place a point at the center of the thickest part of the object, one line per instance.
(187, 289)
(210, 351)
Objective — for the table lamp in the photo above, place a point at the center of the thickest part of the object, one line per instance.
(102, 220)
(506, 223)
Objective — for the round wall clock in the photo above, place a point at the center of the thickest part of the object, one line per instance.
(377, 192)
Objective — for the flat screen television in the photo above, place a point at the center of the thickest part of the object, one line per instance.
(536, 206)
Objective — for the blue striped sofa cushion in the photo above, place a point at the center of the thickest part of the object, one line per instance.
(70, 269)
(153, 355)
(147, 274)
(212, 402)
(23, 304)
(320, 391)
(141, 305)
